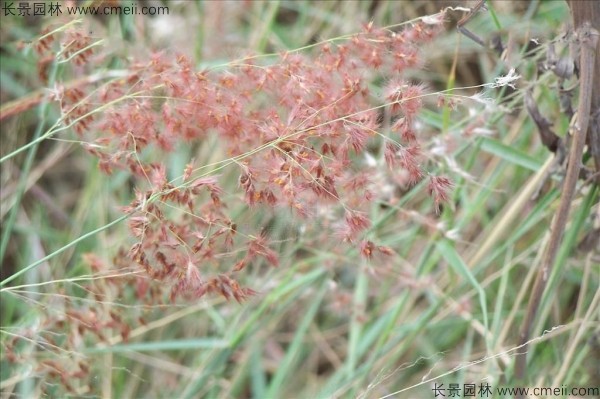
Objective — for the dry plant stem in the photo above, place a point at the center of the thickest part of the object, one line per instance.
(590, 11)
(510, 214)
(159, 364)
(589, 40)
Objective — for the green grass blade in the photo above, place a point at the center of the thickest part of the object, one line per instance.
(510, 154)
(446, 249)
(285, 369)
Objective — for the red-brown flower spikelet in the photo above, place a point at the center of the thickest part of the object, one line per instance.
(406, 158)
(368, 249)
(357, 222)
(438, 188)
(258, 246)
(404, 97)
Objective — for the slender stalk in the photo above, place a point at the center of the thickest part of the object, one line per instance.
(63, 248)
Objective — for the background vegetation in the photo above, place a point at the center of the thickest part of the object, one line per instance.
(445, 308)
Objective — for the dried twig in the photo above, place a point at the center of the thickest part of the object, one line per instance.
(460, 26)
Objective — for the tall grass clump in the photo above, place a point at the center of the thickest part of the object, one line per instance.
(332, 209)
